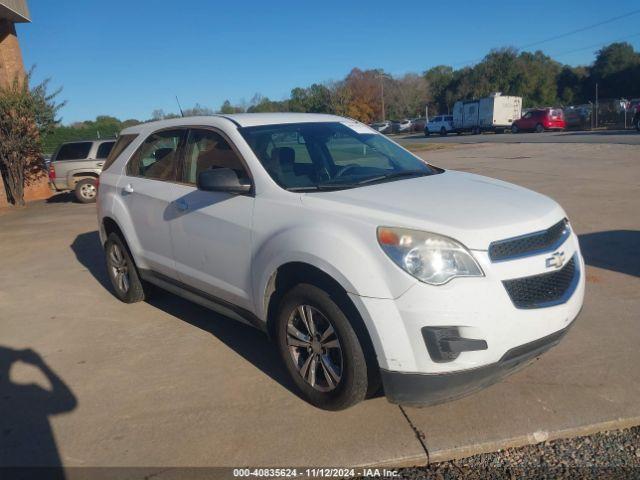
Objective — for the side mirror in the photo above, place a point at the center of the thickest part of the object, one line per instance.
(222, 180)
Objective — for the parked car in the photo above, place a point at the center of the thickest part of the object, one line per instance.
(360, 260)
(540, 120)
(401, 126)
(418, 124)
(578, 116)
(442, 124)
(383, 127)
(77, 165)
(636, 115)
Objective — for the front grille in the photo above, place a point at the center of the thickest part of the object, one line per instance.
(530, 244)
(544, 290)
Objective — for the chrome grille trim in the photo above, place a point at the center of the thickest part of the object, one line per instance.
(530, 244)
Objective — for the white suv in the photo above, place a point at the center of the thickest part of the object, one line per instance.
(442, 124)
(364, 263)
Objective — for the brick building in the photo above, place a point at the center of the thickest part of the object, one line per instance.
(11, 65)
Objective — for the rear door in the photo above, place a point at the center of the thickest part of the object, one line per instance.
(212, 230)
(147, 189)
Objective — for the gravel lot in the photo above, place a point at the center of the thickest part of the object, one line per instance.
(613, 454)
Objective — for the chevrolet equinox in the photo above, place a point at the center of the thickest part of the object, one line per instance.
(366, 265)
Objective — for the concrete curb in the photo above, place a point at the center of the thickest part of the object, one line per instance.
(514, 442)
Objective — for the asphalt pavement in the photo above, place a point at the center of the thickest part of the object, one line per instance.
(621, 137)
(86, 380)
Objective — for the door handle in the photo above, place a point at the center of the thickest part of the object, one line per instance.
(128, 188)
(99, 164)
(182, 205)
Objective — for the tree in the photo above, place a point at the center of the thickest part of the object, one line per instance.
(25, 116)
(227, 108)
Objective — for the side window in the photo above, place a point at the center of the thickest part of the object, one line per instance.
(157, 157)
(123, 142)
(104, 149)
(209, 150)
(74, 151)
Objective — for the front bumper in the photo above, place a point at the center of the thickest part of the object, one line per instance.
(431, 389)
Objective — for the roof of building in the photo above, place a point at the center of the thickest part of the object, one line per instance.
(15, 11)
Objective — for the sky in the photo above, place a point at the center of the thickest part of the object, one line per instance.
(128, 58)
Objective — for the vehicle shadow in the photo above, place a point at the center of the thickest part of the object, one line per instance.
(27, 438)
(62, 197)
(89, 253)
(614, 250)
(248, 342)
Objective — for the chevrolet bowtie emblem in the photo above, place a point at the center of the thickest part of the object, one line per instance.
(555, 261)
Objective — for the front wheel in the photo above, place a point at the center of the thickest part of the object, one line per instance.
(426, 132)
(86, 190)
(320, 349)
(443, 132)
(514, 129)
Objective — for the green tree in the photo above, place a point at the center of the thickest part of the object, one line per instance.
(25, 116)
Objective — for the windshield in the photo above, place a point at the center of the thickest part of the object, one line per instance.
(323, 156)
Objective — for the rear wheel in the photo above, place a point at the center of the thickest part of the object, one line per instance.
(426, 132)
(539, 128)
(86, 190)
(122, 271)
(320, 349)
(443, 132)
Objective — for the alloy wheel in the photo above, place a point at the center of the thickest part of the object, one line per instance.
(315, 348)
(119, 268)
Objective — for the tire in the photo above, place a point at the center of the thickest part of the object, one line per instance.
(331, 375)
(122, 271)
(443, 132)
(86, 191)
(426, 132)
(539, 128)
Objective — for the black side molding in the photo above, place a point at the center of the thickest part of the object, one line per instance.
(202, 298)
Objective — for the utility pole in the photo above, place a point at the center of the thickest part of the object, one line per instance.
(382, 98)
(382, 76)
(596, 113)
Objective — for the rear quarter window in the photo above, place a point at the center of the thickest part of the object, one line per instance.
(104, 149)
(121, 144)
(74, 151)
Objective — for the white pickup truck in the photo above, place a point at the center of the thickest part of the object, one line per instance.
(77, 166)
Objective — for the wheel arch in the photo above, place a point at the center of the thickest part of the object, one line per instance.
(286, 276)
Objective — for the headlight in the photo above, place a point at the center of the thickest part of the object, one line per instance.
(429, 257)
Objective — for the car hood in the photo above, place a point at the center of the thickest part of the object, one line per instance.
(472, 209)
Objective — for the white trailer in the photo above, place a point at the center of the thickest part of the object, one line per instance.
(494, 113)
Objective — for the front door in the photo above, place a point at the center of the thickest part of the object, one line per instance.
(147, 191)
(212, 230)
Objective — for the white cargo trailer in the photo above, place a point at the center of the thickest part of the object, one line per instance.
(494, 113)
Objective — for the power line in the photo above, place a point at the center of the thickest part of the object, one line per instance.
(573, 32)
(595, 45)
(562, 35)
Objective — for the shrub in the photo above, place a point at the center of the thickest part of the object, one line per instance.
(25, 115)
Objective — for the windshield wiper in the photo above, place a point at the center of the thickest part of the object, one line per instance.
(321, 187)
(343, 186)
(392, 175)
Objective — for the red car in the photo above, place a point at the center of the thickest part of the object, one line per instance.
(540, 120)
